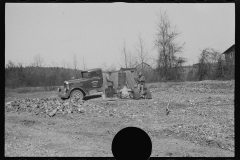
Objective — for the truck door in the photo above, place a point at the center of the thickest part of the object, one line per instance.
(95, 80)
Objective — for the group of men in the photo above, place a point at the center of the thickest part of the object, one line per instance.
(125, 91)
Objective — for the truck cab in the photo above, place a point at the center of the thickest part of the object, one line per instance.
(90, 84)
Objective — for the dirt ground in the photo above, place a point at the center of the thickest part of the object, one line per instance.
(200, 123)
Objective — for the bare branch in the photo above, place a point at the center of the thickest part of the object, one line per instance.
(166, 46)
(141, 51)
(37, 61)
(63, 64)
(75, 63)
(84, 65)
(125, 56)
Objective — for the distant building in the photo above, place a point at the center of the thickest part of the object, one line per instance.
(133, 70)
(144, 67)
(128, 69)
(230, 55)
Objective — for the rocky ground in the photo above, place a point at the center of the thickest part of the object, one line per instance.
(200, 122)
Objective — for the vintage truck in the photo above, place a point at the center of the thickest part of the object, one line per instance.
(90, 84)
(93, 83)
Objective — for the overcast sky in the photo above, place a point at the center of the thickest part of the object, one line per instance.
(97, 31)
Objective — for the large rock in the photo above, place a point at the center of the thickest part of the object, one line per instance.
(53, 112)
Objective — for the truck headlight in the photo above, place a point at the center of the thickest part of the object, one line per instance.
(67, 86)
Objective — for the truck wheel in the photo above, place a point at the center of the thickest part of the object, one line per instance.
(76, 95)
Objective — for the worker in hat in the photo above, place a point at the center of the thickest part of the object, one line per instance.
(109, 84)
(141, 82)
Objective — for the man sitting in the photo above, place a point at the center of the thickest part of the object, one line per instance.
(124, 92)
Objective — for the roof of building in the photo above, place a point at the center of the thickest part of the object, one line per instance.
(143, 63)
(109, 71)
(126, 69)
(229, 49)
(89, 70)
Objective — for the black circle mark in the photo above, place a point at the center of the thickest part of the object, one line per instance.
(200, 1)
(131, 143)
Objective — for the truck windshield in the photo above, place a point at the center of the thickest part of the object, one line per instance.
(94, 74)
(85, 74)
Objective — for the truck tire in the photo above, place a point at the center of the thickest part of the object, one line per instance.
(136, 94)
(76, 94)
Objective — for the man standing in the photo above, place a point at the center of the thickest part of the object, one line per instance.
(109, 84)
(141, 82)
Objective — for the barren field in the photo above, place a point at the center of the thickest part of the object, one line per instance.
(200, 122)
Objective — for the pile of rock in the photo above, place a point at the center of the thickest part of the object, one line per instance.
(51, 107)
(45, 106)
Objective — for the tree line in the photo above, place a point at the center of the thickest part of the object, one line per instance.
(212, 66)
(36, 76)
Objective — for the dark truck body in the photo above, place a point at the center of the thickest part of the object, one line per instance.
(90, 84)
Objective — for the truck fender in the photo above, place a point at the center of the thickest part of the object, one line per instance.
(78, 88)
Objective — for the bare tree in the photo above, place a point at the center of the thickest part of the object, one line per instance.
(75, 66)
(107, 68)
(128, 59)
(63, 64)
(36, 69)
(104, 66)
(142, 52)
(75, 62)
(112, 67)
(125, 55)
(168, 50)
(132, 60)
(84, 65)
(210, 64)
(68, 65)
(38, 61)
(10, 64)
(54, 64)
